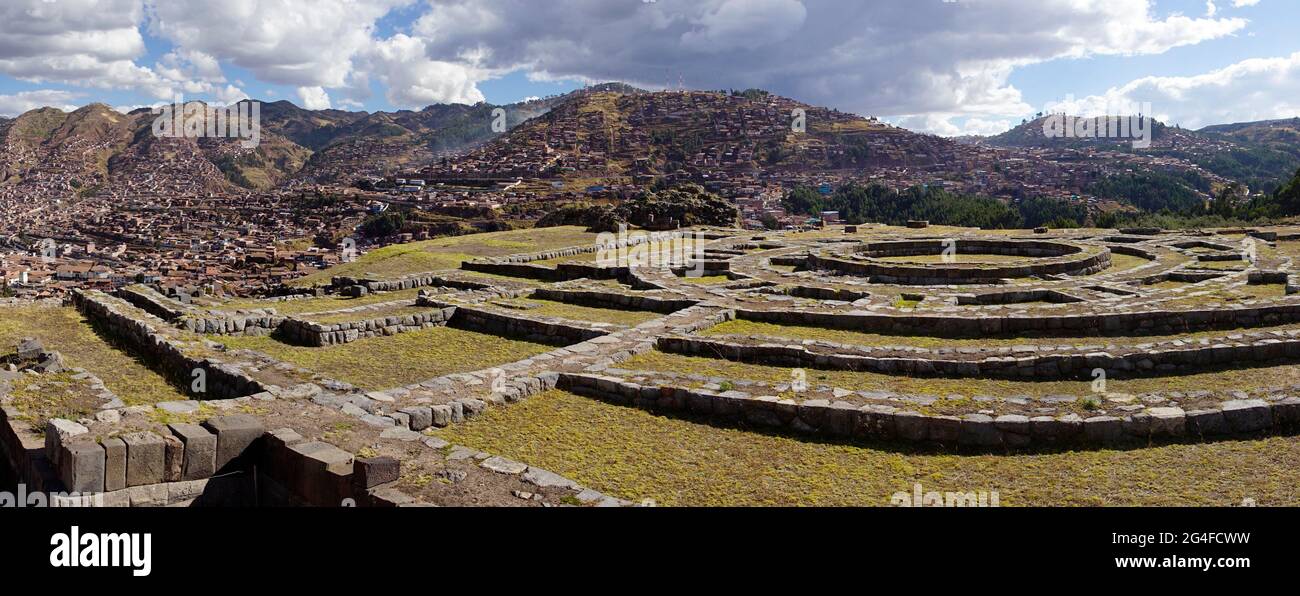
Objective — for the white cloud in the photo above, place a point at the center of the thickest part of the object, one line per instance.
(314, 98)
(305, 43)
(13, 105)
(1254, 89)
(84, 42)
(927, 61)
(413, 80)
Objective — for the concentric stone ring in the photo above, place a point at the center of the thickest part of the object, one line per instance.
(958, 260)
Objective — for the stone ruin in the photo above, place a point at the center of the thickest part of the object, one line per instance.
(1147, 305)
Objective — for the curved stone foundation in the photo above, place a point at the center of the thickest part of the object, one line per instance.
(1042, 258)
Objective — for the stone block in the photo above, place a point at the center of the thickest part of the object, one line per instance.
(323, 473)
(153, 495)
(979, 430)
(236, 435)
(114, 464)
(1247, 415)
(145, 459)
(173, 458)
(1168, 422)
(81, 466)
(441, 415)
(502, 465)
(1103, 430)
(57, 432)
(421, 417)
(1206, 423)
(200, 451)
(370, 472)
(185, 491)
(1286, 412)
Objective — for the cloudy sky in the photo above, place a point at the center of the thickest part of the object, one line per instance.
(941, 66)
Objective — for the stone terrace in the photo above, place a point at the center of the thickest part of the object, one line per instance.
(1006, 340)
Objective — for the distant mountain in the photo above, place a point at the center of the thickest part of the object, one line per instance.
(1285, 123)
(1258, 154)
(95, 149)
(613, 133)
(1034, 133)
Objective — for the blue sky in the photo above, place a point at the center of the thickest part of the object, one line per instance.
(969, 66)
(1271, 32)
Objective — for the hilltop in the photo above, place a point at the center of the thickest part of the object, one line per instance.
(615, 135)
(1258, 154)
(93, 148)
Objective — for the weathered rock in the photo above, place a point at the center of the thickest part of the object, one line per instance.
(145, 458)
(547, 479)
(236, 434)
(370, 472)
(57, 432)
(1247, 415)
(82, 465)
(114, 464)
(200, 451)
(174, 459)
(502, 465)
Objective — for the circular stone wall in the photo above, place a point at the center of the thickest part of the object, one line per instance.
(1040, 258)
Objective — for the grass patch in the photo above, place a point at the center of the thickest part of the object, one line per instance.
(448, 253)
(635, 454)
(705, 279)
(902, 302)
(57, 395)
(321, 304)
(402, 359)
(1215, 380)
(64, 330)
(1119, 262)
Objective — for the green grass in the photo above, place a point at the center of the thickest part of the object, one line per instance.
(1119, 262)
(64, 330)
(902, 302)
(55, 395)
(448, 253)
(637, 455)
(1221, 265)
(705, 279)
(1228, 295)
(402, 359)
(1217, 380)
(322, 304)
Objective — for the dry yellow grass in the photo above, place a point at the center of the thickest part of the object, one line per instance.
(386, 362)
(637, 455)
(64, 330)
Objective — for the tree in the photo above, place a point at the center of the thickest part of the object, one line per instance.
(803, 200)
(383, 224)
